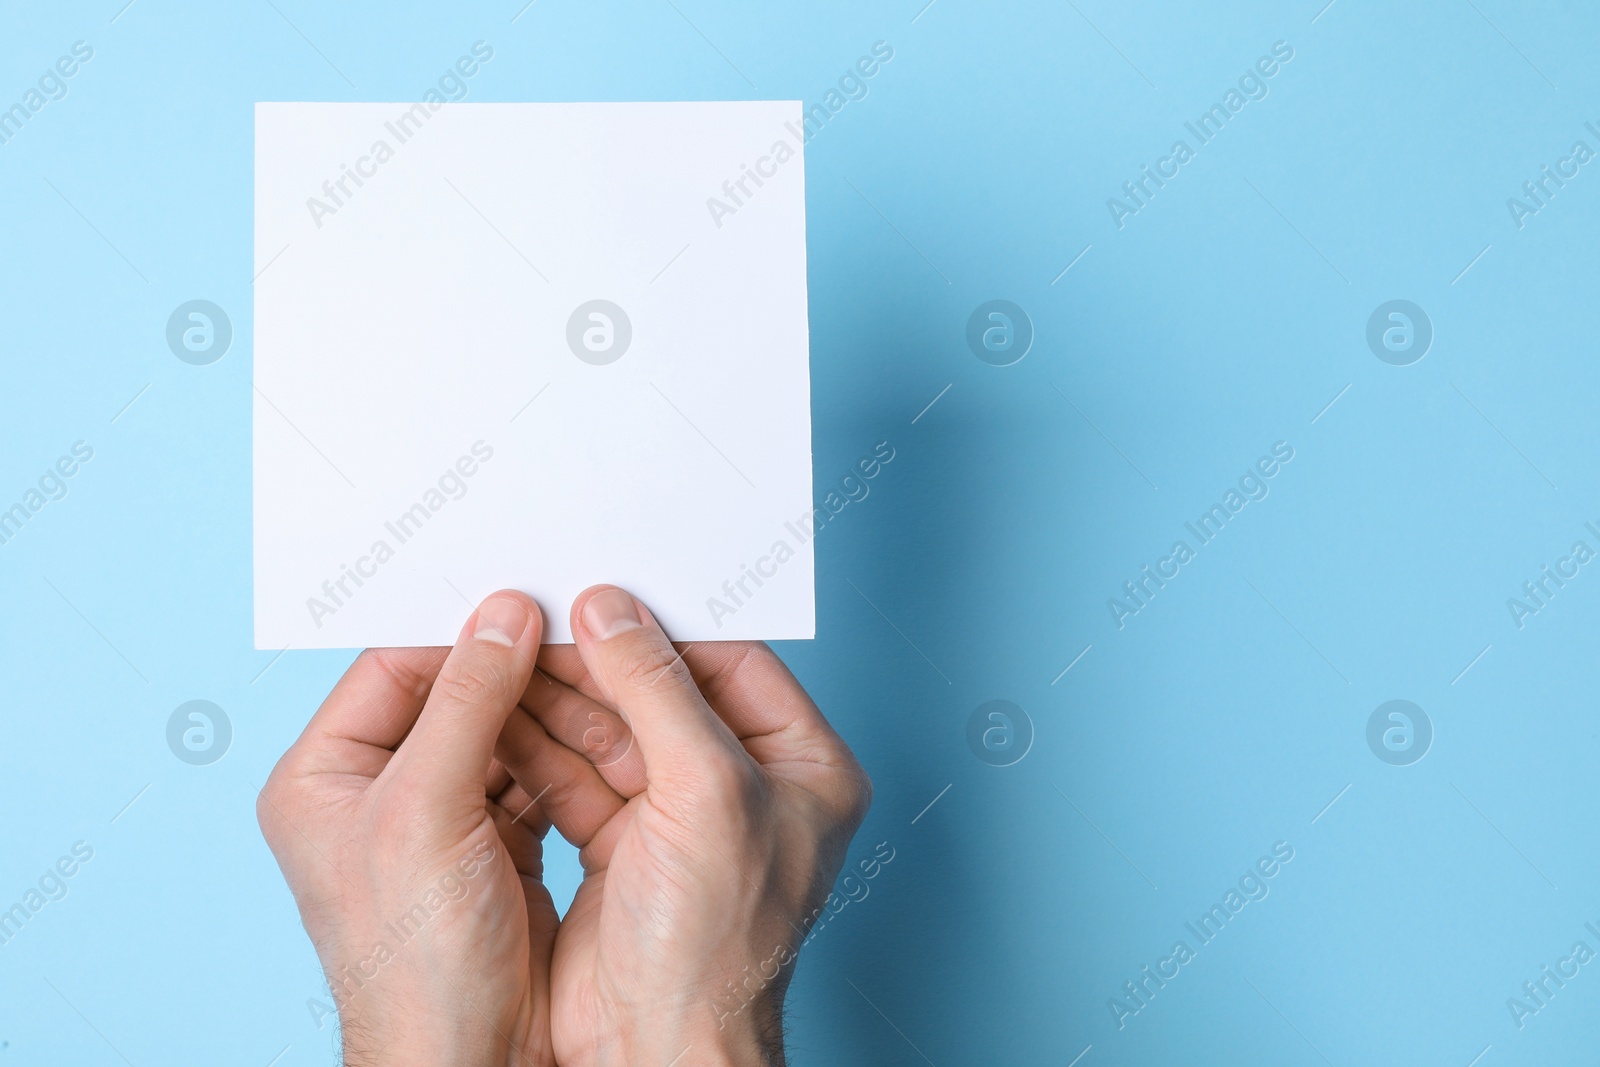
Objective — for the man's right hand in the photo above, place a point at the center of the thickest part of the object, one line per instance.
(712, 803)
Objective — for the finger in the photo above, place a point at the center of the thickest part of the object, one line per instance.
(521, 842)
(452, 743)
(370, 710)
(563, 663)
(778, 724)
(566, 787)
(760, 700)
(749, 688)
(524, 808)
(496, 780)
(640, 674)
(596, 855)
(588, 728)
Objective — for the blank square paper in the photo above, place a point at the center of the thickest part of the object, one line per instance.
(530, 346)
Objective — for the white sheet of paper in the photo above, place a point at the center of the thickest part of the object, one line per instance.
(428, 428)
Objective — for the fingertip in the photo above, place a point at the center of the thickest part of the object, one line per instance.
(602, 612)
(508, 618)
(639, 672)
(452, 743)
(583, 598)
(575, 613)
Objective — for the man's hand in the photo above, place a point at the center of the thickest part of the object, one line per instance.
(712, 803)
(710, 799)
(415, 861)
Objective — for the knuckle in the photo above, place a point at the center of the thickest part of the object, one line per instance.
(471, 683)
(606, 738)
(740, 661)
(561, 795)
(846, 799)
(266, 818)
(732, 782)
(406, 677)
(651, 663)
(273, 802)
(862, 801)
(714, 794)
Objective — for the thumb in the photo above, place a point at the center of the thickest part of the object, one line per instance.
(644, 677)
(447, 752)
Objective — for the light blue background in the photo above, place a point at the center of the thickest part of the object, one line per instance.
(1224, 317)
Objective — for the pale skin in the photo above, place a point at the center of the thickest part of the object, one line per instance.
(711, 801)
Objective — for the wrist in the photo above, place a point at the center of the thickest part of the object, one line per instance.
(366, 1044)
(430, 1032)
(749, 1038)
